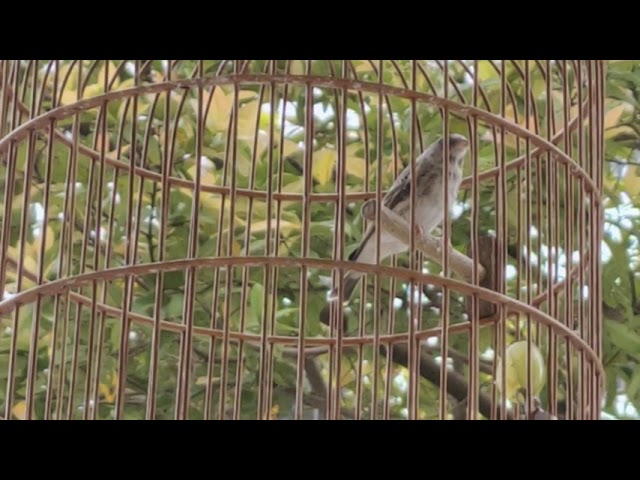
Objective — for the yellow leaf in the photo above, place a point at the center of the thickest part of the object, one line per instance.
(273, 414)
(297, 67)
(243, 161)
(207, 175)
(515, 370)
(99, 78)
(45, 341)
(366, 66)
(622, 129)
(247, 121)
(285, 227)
(247, 94)
(219, 111)
(93, 90)
(125, 107)
(158, 77)
(201, 381)
(632, 182)
(119, 248)
(262, 144)
(355, 165)
(613, 116)
(128, 83)
(31, 251)
(510, 115)
(285, 249)
(348, 372)
(211, 202)
(486, 71)
(289, 148)
(19, 410)
(104, 391)
(68, 97)
(296, 186)
(108, 391)
(323, 162)
(49, 238)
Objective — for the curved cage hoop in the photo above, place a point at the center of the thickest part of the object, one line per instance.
(170, 231)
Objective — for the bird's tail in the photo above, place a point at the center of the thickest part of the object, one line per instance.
(362, 253)
(349, 283)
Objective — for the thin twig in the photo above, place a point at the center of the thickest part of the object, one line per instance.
(430, 370)
(429, 245)
(314, 376)
(619, 162)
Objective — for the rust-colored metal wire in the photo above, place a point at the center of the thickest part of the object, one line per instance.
(169, 230)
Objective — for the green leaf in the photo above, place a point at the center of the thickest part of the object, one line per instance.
(256, 304)
(632, 78)
(633, 388)
(624, 337)
(175, 307)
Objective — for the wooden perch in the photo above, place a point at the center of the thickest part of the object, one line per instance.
(429, 245)
(487, 253)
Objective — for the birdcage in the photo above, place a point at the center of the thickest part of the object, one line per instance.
(171, 230)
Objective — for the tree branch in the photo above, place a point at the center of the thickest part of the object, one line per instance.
(619, 162)
(429, 245)
(314, 376)
(430, 370)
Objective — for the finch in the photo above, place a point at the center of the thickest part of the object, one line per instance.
(429, 208)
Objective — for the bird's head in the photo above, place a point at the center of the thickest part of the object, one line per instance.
(458, 145)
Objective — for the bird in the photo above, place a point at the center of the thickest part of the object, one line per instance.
(429, 208)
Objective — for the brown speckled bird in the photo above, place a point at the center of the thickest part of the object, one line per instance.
(429, 208)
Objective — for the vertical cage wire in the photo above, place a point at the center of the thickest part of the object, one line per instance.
(170, 229)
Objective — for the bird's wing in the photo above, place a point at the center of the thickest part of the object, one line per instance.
(366, 237)
(400, 191)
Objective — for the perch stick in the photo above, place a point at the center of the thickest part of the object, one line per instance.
(429, 245)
